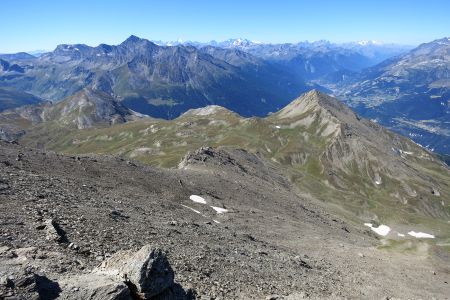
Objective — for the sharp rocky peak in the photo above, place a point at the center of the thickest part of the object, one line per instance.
(313, 101)
(134, 40)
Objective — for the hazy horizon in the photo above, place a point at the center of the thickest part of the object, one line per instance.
(31, 51)
(31, 25)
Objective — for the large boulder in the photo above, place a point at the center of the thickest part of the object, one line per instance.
(146, 272)
(127, 275)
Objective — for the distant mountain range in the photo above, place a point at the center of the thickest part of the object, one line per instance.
(157, 80)
(311, 60)
(374, 50)
(409, 93)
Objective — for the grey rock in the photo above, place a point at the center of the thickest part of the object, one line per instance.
(118, 291)
(95, 286)
(147, 271)
(54, 231)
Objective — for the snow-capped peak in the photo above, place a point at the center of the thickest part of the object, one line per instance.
(239, 42)
(244, 42)
(369, 42)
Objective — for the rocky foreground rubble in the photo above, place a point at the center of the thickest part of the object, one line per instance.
(89, 227)
(145, 274)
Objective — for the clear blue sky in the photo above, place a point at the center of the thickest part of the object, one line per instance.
(31, 24)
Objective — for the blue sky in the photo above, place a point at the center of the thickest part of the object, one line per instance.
(30, 24)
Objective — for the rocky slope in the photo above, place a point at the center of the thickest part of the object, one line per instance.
(245, 235)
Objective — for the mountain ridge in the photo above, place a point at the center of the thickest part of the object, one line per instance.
(87, 108)
(160, 81)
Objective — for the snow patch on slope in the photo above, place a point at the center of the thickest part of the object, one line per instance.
(382, 230)
(421, 235)
(197, 199)
(219, 210)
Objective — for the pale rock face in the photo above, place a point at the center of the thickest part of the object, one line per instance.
(206, 111)
(308, 109)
